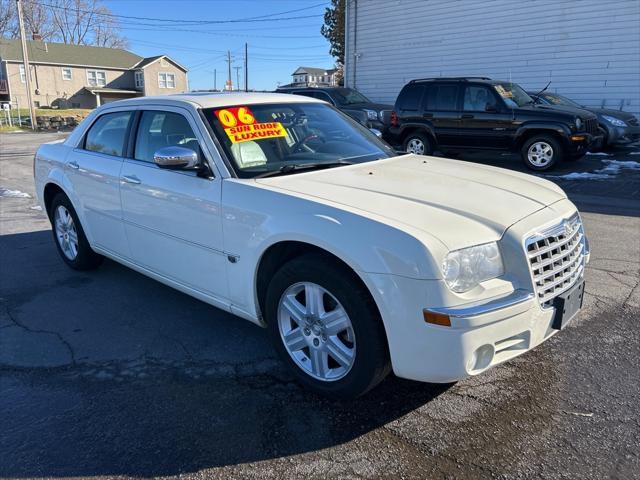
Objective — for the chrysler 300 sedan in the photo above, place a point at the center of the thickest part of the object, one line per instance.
(284, 211)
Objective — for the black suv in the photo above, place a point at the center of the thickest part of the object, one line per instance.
(350, 101)
(483, 114)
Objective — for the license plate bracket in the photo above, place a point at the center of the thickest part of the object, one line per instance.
(567, 305)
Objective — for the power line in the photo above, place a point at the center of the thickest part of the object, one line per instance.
(172, 21)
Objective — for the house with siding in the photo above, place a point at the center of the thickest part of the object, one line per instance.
(81, 76)
(313, 77)
(588, 50)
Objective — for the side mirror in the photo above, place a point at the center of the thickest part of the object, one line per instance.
(177, 158)
(490, 107)
(376, 132)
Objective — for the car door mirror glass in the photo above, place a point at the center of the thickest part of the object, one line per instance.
(176, 158)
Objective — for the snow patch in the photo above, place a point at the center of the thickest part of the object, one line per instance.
(614, 166)
(634, 153)
(582, 176)
(36, 207)
(599, 154)
(6, 193)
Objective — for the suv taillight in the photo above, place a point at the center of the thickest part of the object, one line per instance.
(394, 119)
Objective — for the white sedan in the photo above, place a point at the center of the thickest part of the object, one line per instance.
(285, 212)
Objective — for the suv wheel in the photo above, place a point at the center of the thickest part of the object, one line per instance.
(70, 239)
(326, 328)
(418, 143)
(541, 152)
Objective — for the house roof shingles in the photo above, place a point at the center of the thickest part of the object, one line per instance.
(65, 54)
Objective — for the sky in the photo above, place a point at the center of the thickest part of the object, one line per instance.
(276, 47)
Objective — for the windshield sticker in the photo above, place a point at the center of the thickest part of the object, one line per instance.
(240, 125)
(503, 92)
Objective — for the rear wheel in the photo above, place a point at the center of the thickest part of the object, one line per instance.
(418, 143)
(69, 236)
(541, 152)
(326, 328)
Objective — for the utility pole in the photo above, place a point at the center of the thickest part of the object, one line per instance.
(215, 80)
(25, 59)
(246, 68)
(229, 82)
(237, 69)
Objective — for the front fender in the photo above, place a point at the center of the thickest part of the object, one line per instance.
(558, 128)
(256, 218)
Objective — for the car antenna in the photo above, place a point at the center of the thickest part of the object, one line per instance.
(543, 90)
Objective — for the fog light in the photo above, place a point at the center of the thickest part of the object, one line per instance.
(480, 359)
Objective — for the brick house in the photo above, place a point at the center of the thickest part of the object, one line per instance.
(80, 76)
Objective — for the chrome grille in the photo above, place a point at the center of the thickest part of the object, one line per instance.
(556, 258)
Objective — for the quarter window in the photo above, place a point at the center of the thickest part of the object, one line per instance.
(96, 78)
(410, 97)
(166, 80)
(66, 73)
(108, 133)
(163, 129)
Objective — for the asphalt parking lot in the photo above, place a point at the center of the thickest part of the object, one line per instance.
(111, 374)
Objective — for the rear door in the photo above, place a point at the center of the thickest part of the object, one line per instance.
(485, 123)
(172, 217)
(93, 168)
(440, 106)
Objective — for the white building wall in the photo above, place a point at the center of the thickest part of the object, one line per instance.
(588, 49)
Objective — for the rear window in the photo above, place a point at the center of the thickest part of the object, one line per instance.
(442, 97)
(108, 133)
(409, 98)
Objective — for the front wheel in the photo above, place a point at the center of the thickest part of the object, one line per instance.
(326, 328)
(541, 152)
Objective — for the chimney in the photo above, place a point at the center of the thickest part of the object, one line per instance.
(36, 36)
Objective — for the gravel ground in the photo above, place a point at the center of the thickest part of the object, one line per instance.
(110, 374)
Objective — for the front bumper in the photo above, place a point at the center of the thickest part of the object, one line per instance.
(579, 144)
(623, 135)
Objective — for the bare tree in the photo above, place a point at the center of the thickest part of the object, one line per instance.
(37, 19)
(106, 32)
(7, 18)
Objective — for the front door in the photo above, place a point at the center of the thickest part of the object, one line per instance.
(172, 217)
(485, 124)
(93, 169)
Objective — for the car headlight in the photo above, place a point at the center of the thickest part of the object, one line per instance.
(371, 114)
(614, 121)
(578, 123)
(465, 268)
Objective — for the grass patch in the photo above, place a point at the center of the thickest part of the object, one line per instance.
(8, 129)
(50, 112)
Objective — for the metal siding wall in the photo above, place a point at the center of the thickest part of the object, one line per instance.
(589, 49)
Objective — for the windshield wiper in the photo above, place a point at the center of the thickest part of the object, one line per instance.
(296, 167)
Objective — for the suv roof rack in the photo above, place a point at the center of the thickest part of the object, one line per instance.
(449, 78)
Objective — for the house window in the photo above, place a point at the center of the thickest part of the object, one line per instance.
(23, 76)
(66, 73)
(96, 78)
(166, 80)
(139, 79)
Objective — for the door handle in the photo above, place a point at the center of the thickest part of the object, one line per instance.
(467, 115)
(74, 165)
(131, 179)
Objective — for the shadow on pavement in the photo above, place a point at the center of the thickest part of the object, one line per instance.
(156, 383)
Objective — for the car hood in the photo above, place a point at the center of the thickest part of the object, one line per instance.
(459, 203)
(554, 109)
(371, 106)
(613, 113)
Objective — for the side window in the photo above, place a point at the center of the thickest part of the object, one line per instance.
(108, 133)
(163, 129)
(476, 98)
(324, 96)
(445, 99)
(410, 96)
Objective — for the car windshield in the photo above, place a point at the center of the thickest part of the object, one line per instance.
(555, 99)
(273, 139)
(348, 96)
(513, 95)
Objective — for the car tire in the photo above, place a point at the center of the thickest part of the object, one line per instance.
(541, 152)
(418, 143)
(339, 349)
(69, 236)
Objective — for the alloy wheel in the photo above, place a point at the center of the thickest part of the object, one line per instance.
(540, 154)
(415, 146)
(316, 331)
(66, 232)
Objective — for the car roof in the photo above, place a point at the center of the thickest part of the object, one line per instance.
(209, 100)
(485, 80)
